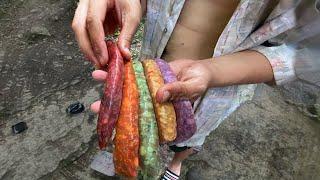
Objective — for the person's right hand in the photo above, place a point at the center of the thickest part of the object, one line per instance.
(94, 20)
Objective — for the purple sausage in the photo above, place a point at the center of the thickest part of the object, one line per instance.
(186, 125)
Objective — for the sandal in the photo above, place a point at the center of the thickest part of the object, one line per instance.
(169, 175)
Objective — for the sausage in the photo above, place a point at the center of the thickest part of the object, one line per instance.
(111, 100)
(126, 152)
(186, 125)
(149, 139)
(165, 114)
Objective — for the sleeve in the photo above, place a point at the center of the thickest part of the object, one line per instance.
(282, 59)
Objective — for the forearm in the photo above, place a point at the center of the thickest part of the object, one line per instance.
(245, 67)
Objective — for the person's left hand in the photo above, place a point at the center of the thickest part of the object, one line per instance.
(193, 80)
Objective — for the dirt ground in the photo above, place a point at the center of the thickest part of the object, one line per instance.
(274, 136)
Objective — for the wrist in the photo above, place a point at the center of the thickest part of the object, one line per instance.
(215, 77)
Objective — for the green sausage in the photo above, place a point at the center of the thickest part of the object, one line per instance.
(149, 139)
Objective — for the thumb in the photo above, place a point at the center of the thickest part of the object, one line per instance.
(127, 32)
(172, 91)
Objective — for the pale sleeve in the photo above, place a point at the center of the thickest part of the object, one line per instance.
(282, 59)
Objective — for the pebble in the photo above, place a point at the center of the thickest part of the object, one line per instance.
(19, 127)
(75, 108)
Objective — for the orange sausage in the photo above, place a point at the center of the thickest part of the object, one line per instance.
(126, 153)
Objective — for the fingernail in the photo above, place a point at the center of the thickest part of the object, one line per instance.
(166, 96)
(127, 50)
(127, 54)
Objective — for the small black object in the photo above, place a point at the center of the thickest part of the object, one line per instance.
(19, 127)
(175, 148)
(75, 108)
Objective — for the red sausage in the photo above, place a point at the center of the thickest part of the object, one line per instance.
(111, 100)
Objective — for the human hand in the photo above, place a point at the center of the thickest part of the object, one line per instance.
(193, 80)
(94, 20)
(98, 75)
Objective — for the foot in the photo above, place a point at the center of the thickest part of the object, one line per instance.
(176, 163)
(175, 167)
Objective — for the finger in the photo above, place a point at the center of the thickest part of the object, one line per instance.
(96, 16)
(172, 91)
(99, 75)
(79, 19)
(85, 47)
(95, 107)
(130, 19)
(79, 27)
